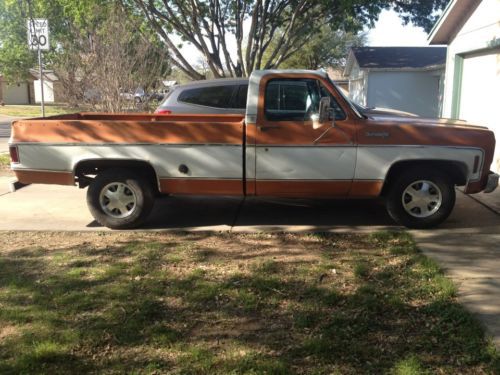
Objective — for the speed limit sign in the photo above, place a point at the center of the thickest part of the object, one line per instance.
(38, 34)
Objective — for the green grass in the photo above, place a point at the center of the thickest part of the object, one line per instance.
(4, 160)
(231, 304)
(35, 110)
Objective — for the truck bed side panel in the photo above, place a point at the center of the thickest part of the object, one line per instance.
(210, 147)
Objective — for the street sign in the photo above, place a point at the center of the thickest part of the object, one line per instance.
(38, 33)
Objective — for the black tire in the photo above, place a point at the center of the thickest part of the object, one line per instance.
(139, 190)
(397, 199)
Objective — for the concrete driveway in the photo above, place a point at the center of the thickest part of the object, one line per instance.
(52, 207)
(467, 245)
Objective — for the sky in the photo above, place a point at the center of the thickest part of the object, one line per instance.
(388, 31)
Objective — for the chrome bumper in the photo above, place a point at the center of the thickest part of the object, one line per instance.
(492, 183)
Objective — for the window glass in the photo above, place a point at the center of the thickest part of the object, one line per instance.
(339, 112)
(241, 97)
(214, 96)
(291, 99)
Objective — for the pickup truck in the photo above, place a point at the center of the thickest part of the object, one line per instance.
(300, 137)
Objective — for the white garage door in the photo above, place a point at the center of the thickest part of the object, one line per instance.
(16, 94)
(480, 95)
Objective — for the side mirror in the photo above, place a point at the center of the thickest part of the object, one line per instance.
(324, 115)
(324, 109)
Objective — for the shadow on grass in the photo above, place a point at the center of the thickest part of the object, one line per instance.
(184, 304)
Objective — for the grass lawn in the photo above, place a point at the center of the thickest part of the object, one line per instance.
(34, 110)
(4, 161)
(154, 303)
(5, 166)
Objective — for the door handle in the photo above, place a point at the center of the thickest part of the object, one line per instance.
(264, 128)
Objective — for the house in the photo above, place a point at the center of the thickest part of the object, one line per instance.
(337, 76)
(403, 78)
(471, 30)
(16, 93)
(52, 87)
(29, 92)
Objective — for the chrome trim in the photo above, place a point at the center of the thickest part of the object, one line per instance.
(40, 170)
(83, 144)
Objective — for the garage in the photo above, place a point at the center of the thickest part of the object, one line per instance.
(480, 93)
(472, 79)
(15, 93)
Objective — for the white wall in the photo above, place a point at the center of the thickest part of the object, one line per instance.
(357, 85)
(48, 91)
(477, 45)
(415, 92)
(481, 31)
(15, 93)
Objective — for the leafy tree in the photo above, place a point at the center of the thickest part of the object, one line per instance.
(75, 28)
(277, 29)
(328, 48)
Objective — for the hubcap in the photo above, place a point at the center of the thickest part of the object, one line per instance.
(422, 198)
(117, 200)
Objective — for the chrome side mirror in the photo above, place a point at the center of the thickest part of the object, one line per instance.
(324, 109)
(325, 113)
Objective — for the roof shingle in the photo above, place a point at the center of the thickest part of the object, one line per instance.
(399, 57)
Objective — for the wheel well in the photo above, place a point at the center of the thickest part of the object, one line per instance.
(457, 171)
(86, 169)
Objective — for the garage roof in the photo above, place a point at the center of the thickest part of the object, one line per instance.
(399, 57)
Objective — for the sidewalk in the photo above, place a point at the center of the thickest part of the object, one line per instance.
(471, 257)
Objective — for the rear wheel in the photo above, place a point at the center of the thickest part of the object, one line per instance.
(120, 199)
(420, 198)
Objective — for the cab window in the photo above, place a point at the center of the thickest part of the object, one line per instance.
(296, 100)
(291, 99)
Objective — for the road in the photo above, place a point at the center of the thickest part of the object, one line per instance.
(4, 128)
(5, 122)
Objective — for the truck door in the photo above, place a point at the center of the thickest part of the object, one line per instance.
(291, 157)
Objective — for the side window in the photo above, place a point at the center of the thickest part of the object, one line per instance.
(214, 96)
(339, 112)
(291, 99)
(240, 101)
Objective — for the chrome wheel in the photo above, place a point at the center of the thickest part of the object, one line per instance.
(117, 200)
(422, 198)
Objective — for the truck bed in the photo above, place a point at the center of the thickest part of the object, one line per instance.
(130, 128)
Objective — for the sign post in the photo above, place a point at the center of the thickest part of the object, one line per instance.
(38, 39)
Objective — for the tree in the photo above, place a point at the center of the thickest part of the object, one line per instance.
(91, 42)
(277, 29)
(328, 48)
(104, 68)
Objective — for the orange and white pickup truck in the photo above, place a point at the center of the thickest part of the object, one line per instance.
(300, 137)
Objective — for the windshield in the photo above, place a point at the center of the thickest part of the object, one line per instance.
(357, 108)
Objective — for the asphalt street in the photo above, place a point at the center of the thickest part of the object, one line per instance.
(4, 129)
(5, 122)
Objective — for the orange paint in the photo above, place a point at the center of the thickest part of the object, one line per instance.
(366, 189)
(45, 177)
(101, 128)
(201, 186)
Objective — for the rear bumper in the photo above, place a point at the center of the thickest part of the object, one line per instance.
(492, 183)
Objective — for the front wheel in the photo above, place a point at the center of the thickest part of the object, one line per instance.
(420, 198)
(119, 199)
